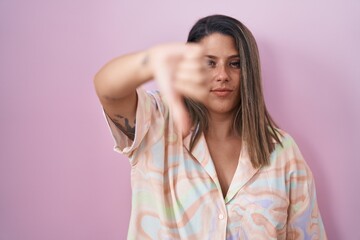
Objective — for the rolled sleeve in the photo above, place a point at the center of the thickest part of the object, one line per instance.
(124, 145)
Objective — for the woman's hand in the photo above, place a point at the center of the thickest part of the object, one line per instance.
(179, 71)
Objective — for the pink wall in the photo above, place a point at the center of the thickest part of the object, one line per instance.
(60, 179)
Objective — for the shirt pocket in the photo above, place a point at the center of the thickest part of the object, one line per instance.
(258, 222)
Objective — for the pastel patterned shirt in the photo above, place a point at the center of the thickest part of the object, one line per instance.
(176, 193)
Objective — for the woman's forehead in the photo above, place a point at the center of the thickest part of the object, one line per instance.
(219, 45)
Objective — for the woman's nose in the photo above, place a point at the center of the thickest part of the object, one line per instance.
(221, 74)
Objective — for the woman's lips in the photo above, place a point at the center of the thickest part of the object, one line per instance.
(221, 92)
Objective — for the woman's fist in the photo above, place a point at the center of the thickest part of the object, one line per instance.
(179, 70)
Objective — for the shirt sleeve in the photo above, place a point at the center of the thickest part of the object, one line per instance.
(149, 107)
(304, 219)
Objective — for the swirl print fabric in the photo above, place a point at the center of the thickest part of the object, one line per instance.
(176, 194)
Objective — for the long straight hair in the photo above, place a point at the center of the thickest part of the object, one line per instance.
(252, 120)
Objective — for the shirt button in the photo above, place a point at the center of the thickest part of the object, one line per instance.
(221, 216)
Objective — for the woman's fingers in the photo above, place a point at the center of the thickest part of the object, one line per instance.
(179, 71)
(195, 91)
(191, 79)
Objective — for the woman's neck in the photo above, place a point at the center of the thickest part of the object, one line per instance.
(220, 127)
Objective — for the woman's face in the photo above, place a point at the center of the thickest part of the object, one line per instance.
(223, 66)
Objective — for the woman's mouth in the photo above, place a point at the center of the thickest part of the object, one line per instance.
(224, 92)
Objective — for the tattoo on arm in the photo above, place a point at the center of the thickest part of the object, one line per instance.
(124, 125)
(145, 60)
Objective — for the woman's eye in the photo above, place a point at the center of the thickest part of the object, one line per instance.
(235, 64)
(211, 63)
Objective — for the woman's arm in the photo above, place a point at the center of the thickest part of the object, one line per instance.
(304, 218)
(116, 84)
(178, 69)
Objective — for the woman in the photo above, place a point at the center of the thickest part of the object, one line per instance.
(208, 162)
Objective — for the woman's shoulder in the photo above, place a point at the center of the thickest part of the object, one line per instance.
(285, 139)
(287, 157)
(287, 148)
(151, 99)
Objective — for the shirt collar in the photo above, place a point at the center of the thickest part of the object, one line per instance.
(244, 171)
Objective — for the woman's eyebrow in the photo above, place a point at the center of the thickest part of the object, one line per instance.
(215, 57)
(234, 56)
(211, 56)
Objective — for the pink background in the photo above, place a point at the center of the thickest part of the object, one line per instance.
(60, 179)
